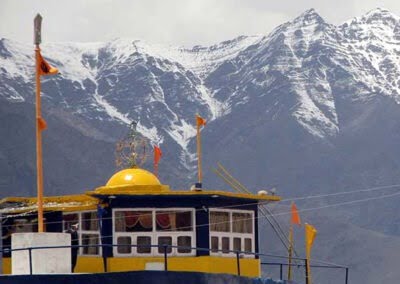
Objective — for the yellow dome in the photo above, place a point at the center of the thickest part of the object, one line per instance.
(134, 176)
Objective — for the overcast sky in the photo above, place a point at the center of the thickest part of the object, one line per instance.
(177, 22)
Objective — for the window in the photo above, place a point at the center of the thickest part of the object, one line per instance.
(242, 223)
(184, 244)
(225, 244)
(219, 221)
(144, 244)
(248, 244)
(151, 229)
(69, 220)
(133, 221)
(230, 231)
(174, 221)
(89, 221)
(214, 244)
(237, 243)
(124, 245)
(23, 225)
(162, 241)
(88, 232)
(90, 242)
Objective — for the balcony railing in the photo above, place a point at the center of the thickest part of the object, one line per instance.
(301, 262)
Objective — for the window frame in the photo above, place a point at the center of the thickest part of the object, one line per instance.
(154, 234)
(231, 235)
(84, 232)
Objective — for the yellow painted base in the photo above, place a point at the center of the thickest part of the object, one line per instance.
(248, 266)
(89, 264)
(6, 265)
(209, 264)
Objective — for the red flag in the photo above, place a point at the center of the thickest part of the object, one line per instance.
(157, 155)
(200, 121)
(41, 124)
(45, 68)
(295, 215)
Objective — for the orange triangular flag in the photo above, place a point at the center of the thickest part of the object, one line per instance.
(200, 121)
(157, 154)
(45, 68)
(295, 215)
(41, 124)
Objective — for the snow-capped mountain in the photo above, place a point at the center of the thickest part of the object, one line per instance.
(300, 71)
(310, 107)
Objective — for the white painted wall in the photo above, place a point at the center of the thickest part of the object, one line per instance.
(44, 261)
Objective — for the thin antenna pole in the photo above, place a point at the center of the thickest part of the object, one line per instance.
(39, 160)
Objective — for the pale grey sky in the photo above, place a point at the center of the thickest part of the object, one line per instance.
(178, 22)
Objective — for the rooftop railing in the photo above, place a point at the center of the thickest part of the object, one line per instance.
(300, 262)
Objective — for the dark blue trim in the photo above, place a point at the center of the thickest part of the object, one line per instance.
(202, 231)
(137, 277)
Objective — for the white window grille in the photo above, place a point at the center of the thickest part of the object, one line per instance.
(232, 230)
(144, 228)
(88, 232)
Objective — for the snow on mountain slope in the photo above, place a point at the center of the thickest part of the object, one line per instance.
(125, 80)
(373, 41)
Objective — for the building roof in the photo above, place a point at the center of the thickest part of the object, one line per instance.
(132, 183)
(16, 205)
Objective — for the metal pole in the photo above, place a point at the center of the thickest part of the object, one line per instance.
(306, 265)
(165, 258)
(198, 151)
(238, 262)
(281, 271)
(39, 162)
(30, 260)
(347, 275)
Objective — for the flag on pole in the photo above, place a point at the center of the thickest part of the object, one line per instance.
(42, 124)
(295, 215)
(295, 220)
(157, 154)
(200, 121)
(311, 232)
(45, 68)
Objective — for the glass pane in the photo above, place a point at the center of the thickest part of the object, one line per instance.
(237, 244)
(24, 225)
(69, 220)
(225, 245)
(124, 245)
(91, 241)
(247, 245)
(184, 244)
(164, 241)
(174, 221)
(89, 221)
(242, 223)
(143, 244)
(219, 221)
(214, 244)
(133, 221)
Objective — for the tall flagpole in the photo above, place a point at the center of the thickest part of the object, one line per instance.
(290, 252)
(199, 153)
(39, 161)
(156, 169)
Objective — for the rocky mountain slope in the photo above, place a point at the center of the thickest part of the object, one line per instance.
(310, 108)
